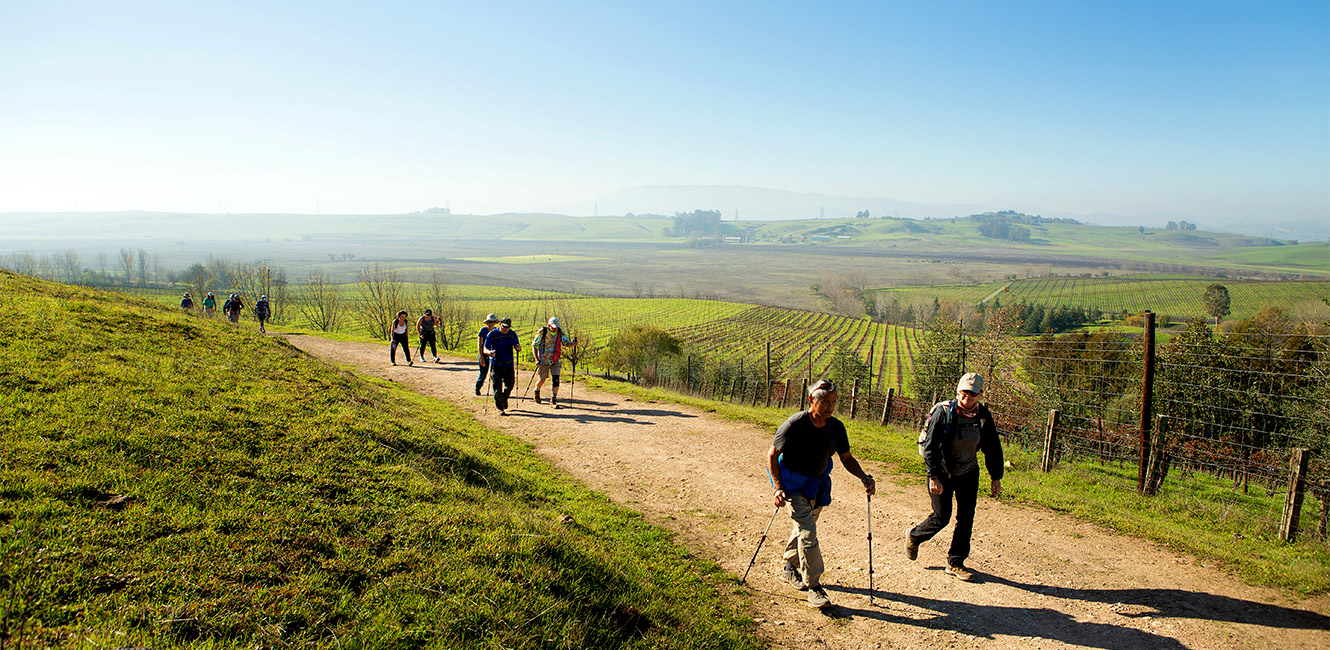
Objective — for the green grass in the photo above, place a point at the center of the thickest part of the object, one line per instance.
(274, 500)
(1195, 514)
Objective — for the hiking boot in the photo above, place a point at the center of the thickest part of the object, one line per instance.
(436, 360)
(817, 597)
(394, 363)
(791, 575)
(410, 363)
(538, 397)
(477, 390)
(554, 401)
(960, 572)
(911, 548)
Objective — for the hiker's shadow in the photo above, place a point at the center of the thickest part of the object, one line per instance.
(989, 621)
(994, 621)
(1178, 603)
(579, 416)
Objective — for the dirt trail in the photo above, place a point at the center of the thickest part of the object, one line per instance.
(1042, 580)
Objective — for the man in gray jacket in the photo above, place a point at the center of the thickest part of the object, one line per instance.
(956, 431)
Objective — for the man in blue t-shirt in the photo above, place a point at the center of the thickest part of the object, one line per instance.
(501, 346)
(490, 322)
(800, 465)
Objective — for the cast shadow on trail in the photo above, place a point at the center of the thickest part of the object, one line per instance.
(1176, 603)
(992, 621)
(583, 417)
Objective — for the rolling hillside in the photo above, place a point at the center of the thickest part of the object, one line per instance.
(169, 481)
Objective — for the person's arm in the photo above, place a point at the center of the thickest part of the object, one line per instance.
(773, 470)
(934, 457)
(852, 466)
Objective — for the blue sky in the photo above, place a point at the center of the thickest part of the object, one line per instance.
(1212, 109)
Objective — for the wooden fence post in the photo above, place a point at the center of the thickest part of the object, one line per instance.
(1288, 524)
(886, 406)
(854, 397)
(688, 375)
(803, 395)
(784, 393)
(1050, 441)
(1147, 397)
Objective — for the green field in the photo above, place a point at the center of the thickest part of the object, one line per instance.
(178, 482)
(1179, 297)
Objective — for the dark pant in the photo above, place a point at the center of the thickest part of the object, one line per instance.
(427, 337)
(402, 340)
(504, 380)
(484, 372)
(966, 490)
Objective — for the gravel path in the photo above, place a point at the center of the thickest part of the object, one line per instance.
(1043, 580)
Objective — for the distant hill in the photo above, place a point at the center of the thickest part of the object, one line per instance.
(757, 203)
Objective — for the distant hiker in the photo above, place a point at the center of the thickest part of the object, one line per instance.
(262, 311)
(209, 305)
(957, 429)
(800, 463)
(187, 303)
(425, 329)
(502, 347)
(547, 349)
(232, 308)
(399, 337)
(490, 322)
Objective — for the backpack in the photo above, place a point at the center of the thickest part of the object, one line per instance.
(948, 407)
(261, 309)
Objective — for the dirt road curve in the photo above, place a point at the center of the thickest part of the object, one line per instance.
(1043, 580)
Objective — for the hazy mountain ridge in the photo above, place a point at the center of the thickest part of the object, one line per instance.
(765, 204)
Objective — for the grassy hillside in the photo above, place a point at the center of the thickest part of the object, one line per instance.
(168, 481)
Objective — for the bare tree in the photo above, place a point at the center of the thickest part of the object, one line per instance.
(101, 262)
(380, 293)
(68, 262)
(143, 268)
(319, 302)
(127, 264)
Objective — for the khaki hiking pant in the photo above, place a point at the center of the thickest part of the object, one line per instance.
(802, 549)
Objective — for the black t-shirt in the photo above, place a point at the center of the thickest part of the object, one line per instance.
(806, 448)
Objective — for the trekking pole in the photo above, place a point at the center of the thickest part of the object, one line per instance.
(870, 549)
(529, 382)
(759, 546)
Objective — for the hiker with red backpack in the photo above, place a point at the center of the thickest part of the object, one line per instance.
(547, 349)
(956, 431)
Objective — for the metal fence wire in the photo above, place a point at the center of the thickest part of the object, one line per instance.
(1232, 404)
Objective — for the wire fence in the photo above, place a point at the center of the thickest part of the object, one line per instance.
(1234, 404)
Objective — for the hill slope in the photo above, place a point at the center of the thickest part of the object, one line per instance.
(173, 481)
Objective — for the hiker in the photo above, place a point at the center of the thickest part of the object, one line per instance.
(425, 330)
(957, 429)
(547, 349)
(502, 348)
(262, 311)
(398, 334)
(800, 463)
(209, 305)
(231, 308)
(187, 303)
(490, 322)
